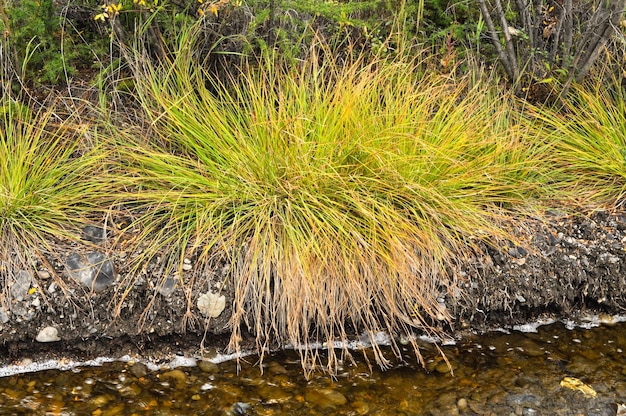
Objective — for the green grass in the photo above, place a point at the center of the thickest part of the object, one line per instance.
(49, 185)
(589, 136)
(340, 193)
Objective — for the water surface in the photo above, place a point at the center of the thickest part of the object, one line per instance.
(554, 371)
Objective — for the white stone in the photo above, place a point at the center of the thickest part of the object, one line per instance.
(211, 304)
(48, 334)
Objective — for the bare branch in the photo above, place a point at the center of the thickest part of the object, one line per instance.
(495, 40)
(508, 42)
(568, 28)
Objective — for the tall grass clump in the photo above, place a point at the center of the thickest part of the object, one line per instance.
(589, 138)
(340, 193)
(49, 183)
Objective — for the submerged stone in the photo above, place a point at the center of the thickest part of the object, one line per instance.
(177, 375)
(273, 394)
(239, 409)
(208, 366)
(325, 397)
(139, 370)
(93, 270)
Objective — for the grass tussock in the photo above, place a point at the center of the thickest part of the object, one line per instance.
(589, 139)
(342, 193)
(49, 185)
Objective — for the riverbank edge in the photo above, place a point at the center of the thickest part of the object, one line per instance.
(562, 267)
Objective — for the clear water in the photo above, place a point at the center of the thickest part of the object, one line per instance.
(554, 371)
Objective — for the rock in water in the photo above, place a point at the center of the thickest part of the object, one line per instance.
(325, 397)
(48, 334)
(93, 270)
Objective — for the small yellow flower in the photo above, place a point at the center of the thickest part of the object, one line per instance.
(101, 16)
(200, 12)
(214, 9)
(115, 8)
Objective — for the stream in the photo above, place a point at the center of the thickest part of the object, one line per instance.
(561, 368)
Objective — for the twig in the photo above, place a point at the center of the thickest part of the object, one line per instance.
(495, 39)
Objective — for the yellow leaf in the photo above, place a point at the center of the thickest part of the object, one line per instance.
(577, 385)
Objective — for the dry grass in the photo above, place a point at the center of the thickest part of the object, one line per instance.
(340, 193)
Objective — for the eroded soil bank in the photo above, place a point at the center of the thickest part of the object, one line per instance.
(561, 267)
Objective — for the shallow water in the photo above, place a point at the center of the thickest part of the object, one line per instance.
(514, 373)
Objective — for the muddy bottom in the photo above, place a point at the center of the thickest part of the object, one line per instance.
(558, 370)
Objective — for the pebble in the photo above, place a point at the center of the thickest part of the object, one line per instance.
(4, 316)
(21, 284)
(462, 404)
(43, 274)
(273, 394)
(48, 334)
(94, 234)
(211, 304)
(177, 375)
(93, 270)
(325, 397)
(139, 370)
(167, 287)
(208, 366)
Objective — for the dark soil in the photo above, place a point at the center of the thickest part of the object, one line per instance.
(562, 267)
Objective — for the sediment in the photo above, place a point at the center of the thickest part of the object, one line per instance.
(561, 266)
